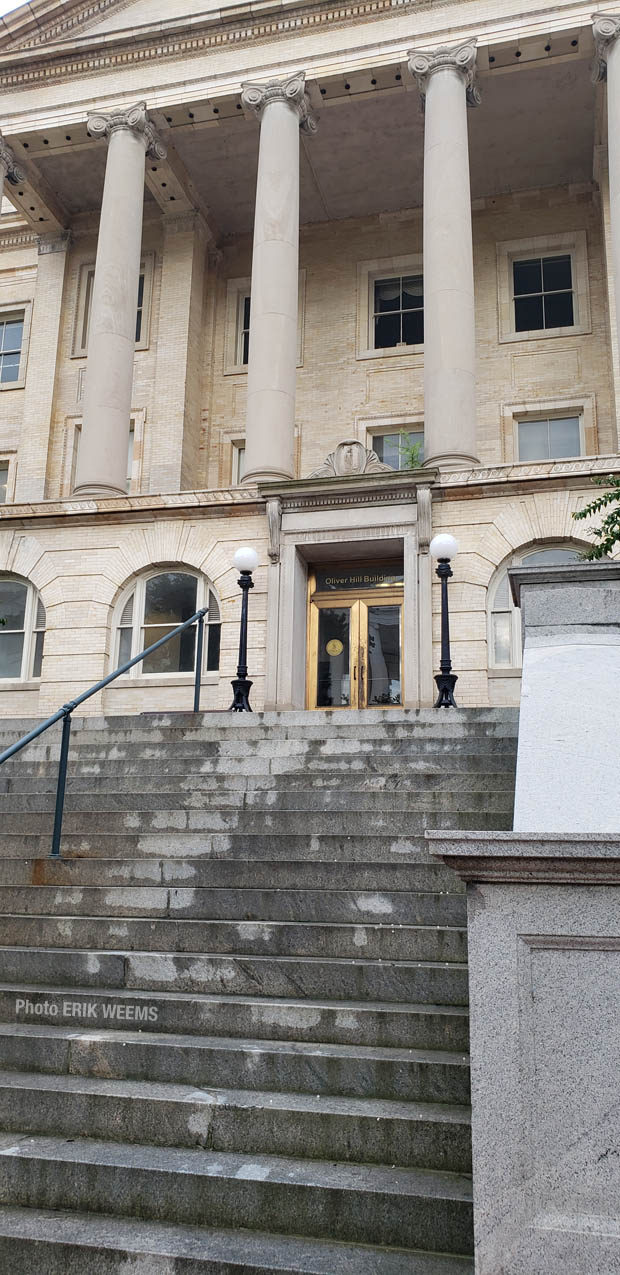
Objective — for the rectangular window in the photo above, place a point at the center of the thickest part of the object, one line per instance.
(85, 300)
(130, 446)
(11, 341)
(238, 465)
(549, 439)
(243, 334)
(397, 449)
(4, 480)
(398, 312)
(543, 293)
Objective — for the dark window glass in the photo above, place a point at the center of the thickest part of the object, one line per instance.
(387, 331)
(334, 680)
(413, 327)
(13, 603)
(557, 273)
(214, 633)
(528, 314)
(140, 307)
(245, 331)
(399, 312)
(170, 598)
(387, 295)
(527, 277)
(176, 656)
(559, 310)
(413, 298)
(383, 671)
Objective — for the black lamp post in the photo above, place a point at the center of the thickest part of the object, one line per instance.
(246, 561)
(444, 547)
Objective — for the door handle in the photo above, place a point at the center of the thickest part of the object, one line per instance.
(355, 672)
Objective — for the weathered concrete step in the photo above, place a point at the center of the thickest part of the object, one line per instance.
(237, 938)
(356, 790)
(248, 823)
(359, 1203)
(357, 979)
(409, 1026)
(37, 1241)
(374, 848)
(354, 1071)
(351, 1130)
(249, 874)
(290, 754)
(237, 810)
(400, 907)
(256, 773)
(277, 720)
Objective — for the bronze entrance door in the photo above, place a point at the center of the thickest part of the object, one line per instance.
(355, 641)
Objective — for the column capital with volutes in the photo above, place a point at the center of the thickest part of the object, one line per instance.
(292, 91)
(605, 31)
(458, 57)
(8, 164)
(135, 119)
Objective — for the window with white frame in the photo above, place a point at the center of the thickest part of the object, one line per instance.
(74, 438)
(238, 463)
(11, 346)
(22, 636)
(397, 312)
(504, 628)
(398, 449)
(84, 303)
(237, 324)
(550, 437)
(152, 607)
(243, 329)
(543, 287)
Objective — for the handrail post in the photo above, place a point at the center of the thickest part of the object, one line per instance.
(199, 641)
(62, 779)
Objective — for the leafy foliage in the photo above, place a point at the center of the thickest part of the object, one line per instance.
(607, 535)
(410, 452)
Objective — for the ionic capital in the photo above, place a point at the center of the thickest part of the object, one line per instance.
(605, 30)
(257, 97)
(459, 57)
(8, 164)
(136, 120)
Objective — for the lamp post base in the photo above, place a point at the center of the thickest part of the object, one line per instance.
(446, 683)
(241, 696)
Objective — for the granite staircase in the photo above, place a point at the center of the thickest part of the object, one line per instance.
(233, 1016)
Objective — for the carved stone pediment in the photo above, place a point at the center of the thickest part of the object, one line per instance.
(351, 458)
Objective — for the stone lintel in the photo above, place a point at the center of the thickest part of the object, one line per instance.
(255, 98)
(458, 57)
(543, 858)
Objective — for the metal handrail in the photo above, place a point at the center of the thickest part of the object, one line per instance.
(65, 712)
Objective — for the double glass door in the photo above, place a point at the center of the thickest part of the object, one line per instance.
(355, 650)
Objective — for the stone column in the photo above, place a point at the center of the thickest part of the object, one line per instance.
(102, 460)
(445, 78)
(43, 349)
(282, 108)
(9, 170)
(606, 29)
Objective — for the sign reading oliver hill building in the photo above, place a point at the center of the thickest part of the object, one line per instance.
(384, 575)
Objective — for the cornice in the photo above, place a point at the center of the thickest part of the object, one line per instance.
(470, 483)
(243, 25)
(395, 488)
(185, 504)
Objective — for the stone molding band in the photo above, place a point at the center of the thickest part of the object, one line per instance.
(457, 57)
(8, 164)
(135, 119)
(605, 29)
(292, 91)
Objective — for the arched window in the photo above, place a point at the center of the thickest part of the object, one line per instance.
(154, 605)
(23, 633)
(504, 634)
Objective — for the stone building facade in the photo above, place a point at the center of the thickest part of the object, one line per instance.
(248, 254)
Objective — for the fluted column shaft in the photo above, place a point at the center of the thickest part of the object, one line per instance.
(102, 460)
(281, 107)
(445, 79)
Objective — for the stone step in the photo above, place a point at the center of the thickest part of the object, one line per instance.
(319, 846)
(249, 874)
(291, 754)
(33, 1241)
(360, 1203)
(237, 938)
(233, 809)
(411, 1026)
(353, 1071)
(351, 1130)
(355, 790)
(256, 773)
(276, 720)
(401, 907)
(356, 979)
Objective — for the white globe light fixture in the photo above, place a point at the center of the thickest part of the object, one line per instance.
(246, 561)
(442, 548)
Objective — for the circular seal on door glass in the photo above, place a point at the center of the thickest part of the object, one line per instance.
(334, 647)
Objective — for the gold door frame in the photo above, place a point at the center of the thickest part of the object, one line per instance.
(357, 603)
